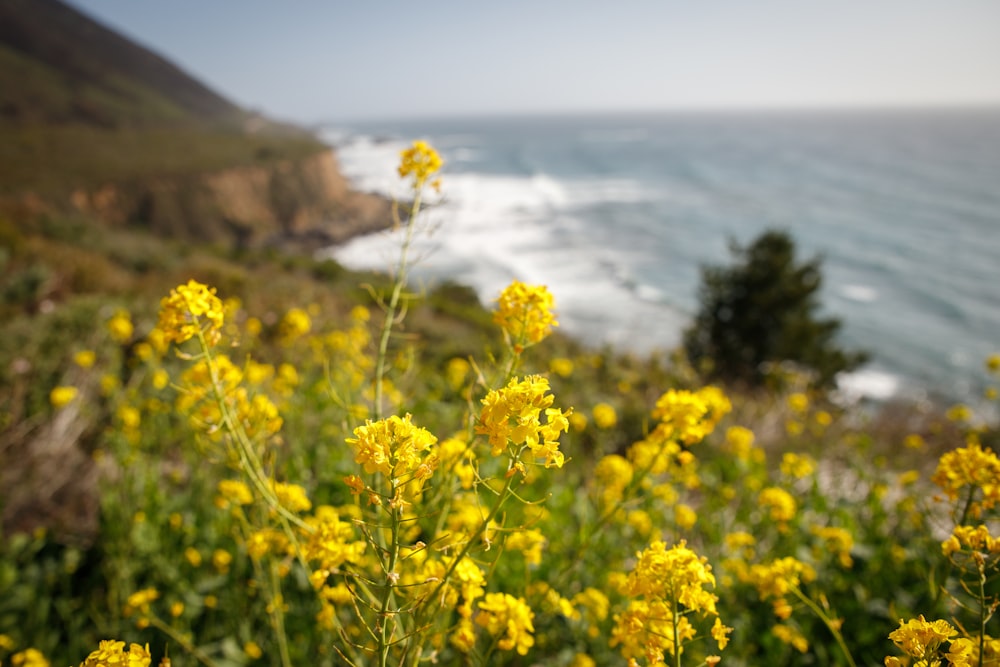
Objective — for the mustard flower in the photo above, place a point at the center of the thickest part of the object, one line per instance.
(252, 650)
(84, 358)
(419, 162)
(512, 415)
(524, 312)
(676, 573)
(529, 542)
(30, 657)
(120, 327)
(837, 540)
(510, 619)
(778, 577)
(684, 516)
(295, 324)
(780, 504)
(791, 636)
(691, 416)
(291, 496)
(62, 396)
(993, 363)
(798, 402)
(970, 466)
(797, 465)
(189, 309)
(605, 416)
(739, 442)
(233, 492)
(561, 366)
(972, 538)
(331, 542)
(921, 639)
(393, 447)
(140, 601)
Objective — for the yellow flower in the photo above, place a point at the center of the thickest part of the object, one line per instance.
(720, 633)
(189, 309)
(393, 447)
(919, 638)
(779, 503)
(139, 601)
(993, 363)
(252, 650)
(84, 358)
(193, 556)
(419, 162)
(970, 466)
(295, 324)
(524, 312)
(513, 415)
(797, 465)
(120, 327)
(561, 366)
(684, 516)
(29, 658)
(233, 492)
(605, 416)
(508, 618)
(791, 636)
(691, 416)
(62, 396)
(112, 653)
(798, 402)
(739, 442)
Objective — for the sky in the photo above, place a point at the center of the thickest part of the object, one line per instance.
(312, 61)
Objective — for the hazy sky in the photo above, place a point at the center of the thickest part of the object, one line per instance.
(313, 60)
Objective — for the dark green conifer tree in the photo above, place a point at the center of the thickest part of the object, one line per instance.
(761, 310)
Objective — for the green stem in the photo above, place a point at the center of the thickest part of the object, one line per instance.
(827, 622)
(390, 309)
(198, 654)
(385, 632)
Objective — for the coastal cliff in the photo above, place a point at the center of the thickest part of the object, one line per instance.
(301, 202)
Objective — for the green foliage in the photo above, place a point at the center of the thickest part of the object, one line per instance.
(763, 310)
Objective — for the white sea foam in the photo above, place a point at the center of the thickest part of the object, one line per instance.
(867, 383)
(859, 293)
(490, 229)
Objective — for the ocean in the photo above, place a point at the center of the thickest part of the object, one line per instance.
(617, 214)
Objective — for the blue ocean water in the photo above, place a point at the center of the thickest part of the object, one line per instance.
(617, 213)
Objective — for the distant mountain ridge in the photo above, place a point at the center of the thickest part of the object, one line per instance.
(93, 123)
(93, 59)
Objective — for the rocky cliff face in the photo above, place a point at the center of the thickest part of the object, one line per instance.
(304, 202)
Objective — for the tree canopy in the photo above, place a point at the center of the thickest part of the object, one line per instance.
(763, 309)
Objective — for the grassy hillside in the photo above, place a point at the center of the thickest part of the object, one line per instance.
(81, 106)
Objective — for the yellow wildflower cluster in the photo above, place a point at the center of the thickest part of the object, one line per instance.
(666, 585)
(777, 578)
(295, 324)
(613, 474)
(972, 467)
(112, 653)
(691, 416)
(62, 396)
(508, 618)
(120, 327)
(972, 538)
(419, 162)
(255, 413)
(524, 312)
(512, 415)
(189, 309)
(780, 505)
(394, 447)
(30, 657)
(923, 640)
(836, 540)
